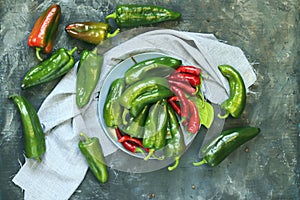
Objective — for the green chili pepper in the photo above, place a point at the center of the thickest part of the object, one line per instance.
(88, 74)
(135, 126)
(235, 104)
(175, 145)
(156, 128)
(91, 32)
(140, 87)
(161, 66)
(140, 15)
(92, 151)
(35, 145)
(223, 145)
(147, 98)
(52, 68)
(112, 109)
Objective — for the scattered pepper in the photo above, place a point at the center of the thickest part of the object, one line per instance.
(44, 30)
(52, 68)
(89, 69)
(34, 139)
(236, 102)
(141, 15)
(90, 32)
(92, 151)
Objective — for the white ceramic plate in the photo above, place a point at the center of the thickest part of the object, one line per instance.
(118, 72)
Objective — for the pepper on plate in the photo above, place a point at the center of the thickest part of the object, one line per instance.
(43, 33)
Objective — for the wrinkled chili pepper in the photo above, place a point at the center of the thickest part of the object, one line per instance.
(130, 146)
(189, 69)
(127, 138)
(192, 79)
(236, 102)
(161, 66)
(140, 15)
(223, 145)
(194, 120)
(184, 107)
(172, 101)
(52, 68)
(89, 69)
(90, 32)
(35, 145)
(44, 30)
(112, 109)
(140, 87)
(92, 151)
(184, 86)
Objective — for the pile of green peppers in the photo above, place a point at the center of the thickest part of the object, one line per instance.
(137, 106)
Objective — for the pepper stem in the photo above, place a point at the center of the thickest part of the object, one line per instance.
(111, 16)
(86, 138)
(171, 168)
(110, 35)
(203, 161)
(139, 150)
(223, 116)
(71, 52)
(39, 159)
(151, 152)
(37, 54)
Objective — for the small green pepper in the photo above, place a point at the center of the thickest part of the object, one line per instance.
(156, 138)
(161, 66)
(223, 145)
(89, 69)
(135, 126)
(147, 98)
(139, 15)
(235, 104)
(175, 145)
(92, 151)
(112, 109)
(35, 145)
(55, 66)
(90, 32)
(140, 87)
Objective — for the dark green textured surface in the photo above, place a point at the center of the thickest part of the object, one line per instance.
(267, 31)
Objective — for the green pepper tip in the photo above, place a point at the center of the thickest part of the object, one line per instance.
(111, 16)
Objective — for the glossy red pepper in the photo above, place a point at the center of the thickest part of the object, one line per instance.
(44, 30)
(184, 86)
(192, 79)
(189, 69)
(129, 145)
(172, 101)
(183, 100)
(194, 120)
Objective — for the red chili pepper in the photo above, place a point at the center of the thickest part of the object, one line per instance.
(182, 85)
(192, 79)
(184, 101)
(43, 32)
(130, 146)
(137, 141)
(174, 105)
(194, 121)
(189, 69)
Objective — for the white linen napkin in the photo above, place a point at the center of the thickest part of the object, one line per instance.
(63, 167)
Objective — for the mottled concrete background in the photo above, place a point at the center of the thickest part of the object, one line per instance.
(266, 30)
